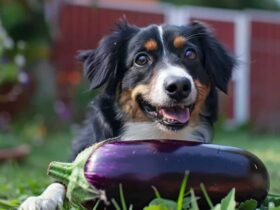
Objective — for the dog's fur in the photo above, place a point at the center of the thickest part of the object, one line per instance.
(136, 69)
(117, 112)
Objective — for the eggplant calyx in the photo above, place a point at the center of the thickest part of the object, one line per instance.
(79, 190)
(60, 171)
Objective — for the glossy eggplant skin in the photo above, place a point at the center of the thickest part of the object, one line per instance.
(139, 165)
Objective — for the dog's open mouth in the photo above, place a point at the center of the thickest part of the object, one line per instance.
(173, 117)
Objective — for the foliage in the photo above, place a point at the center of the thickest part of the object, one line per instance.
(248, 205)
(12, 57)
(23, 40)
(230, 4)
(190, 201)
(24, 37)
(24, 19)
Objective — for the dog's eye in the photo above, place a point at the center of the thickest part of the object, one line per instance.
(190, 54)
(141, 59)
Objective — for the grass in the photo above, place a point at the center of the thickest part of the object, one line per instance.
(19, 180)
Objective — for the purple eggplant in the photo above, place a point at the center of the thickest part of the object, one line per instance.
(143, 164)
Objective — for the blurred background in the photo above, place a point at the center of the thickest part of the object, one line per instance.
(43, 95)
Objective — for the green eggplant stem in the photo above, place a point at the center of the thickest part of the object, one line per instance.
(79, 190)
(60, 171)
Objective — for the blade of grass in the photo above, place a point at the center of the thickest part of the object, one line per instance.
(115, 204)
(96, 205)
(209, 202)
(157, 194)
(6, 204)
(274, 195)
(130, 207)
(182, 192)
(193, 201)
(122, 198)
(228, 203)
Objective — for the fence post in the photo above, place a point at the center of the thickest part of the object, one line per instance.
(242, 72)
(176, 15)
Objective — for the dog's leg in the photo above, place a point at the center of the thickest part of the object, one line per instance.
(51, 199)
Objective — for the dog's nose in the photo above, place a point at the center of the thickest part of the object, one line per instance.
(177, 88)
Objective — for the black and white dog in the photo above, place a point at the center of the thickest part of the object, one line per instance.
(159, 82)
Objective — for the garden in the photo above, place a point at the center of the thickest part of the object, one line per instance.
(29, 177)
(38, 123)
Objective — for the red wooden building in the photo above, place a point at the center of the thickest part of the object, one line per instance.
(253, 36)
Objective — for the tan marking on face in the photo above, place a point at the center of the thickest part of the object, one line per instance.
(150, 45)
(203, 91)
(129, 105)
(179, 41)
(139, 89)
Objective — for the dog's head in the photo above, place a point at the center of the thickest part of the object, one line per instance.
(161, 74)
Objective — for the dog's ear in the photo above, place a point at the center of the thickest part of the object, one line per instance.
(103, 62)
(216, 59)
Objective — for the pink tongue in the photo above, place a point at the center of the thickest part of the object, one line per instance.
(179, 114)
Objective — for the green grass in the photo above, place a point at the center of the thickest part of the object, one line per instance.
(19, 180)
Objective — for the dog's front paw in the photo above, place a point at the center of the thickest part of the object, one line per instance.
(41, 203)
(51, 199)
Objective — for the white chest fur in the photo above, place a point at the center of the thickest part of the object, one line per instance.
(150, 130)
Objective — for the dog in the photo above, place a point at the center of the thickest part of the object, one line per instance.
(157, 82)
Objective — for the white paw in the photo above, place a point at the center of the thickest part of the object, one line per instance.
(39, 203)
(51, 199)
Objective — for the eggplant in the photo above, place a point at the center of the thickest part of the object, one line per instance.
(140, 165)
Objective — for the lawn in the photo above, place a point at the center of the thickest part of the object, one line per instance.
(19, 180)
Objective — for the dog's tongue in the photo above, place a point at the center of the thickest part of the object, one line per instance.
(179, 114)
